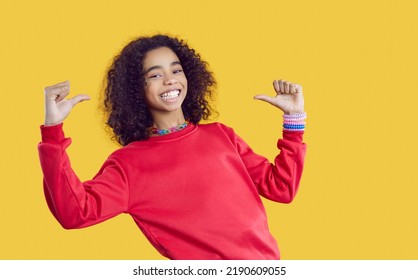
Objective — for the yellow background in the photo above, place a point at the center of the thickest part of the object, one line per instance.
(357, 62)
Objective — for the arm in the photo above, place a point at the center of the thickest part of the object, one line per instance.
(73, 203)
(279, 181)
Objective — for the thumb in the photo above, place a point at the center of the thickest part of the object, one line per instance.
(265, 98)
(79, 98)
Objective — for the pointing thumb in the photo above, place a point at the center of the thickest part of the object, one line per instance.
(265, 98)
(79, 98)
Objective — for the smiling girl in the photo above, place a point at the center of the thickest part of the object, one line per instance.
(193, 189)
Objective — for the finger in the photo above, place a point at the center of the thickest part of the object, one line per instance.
(292, 88)
(79, 98)
(276, 86)
(56, 95)
(298, 89)
(58, 91)
(281, 85)
(62, 84)
(62, 93)
(286, 86)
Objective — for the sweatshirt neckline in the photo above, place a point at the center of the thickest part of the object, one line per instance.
(174, 135)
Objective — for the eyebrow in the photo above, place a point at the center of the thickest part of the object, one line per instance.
(160, 67)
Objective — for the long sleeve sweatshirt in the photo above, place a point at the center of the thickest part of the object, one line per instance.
(195, 194)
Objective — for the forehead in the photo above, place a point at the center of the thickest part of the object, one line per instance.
(161, 56)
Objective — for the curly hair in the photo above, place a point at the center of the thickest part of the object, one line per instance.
(123, 97)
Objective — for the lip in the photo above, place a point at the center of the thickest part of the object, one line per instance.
(171, 89)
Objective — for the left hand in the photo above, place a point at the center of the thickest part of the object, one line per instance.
(289, 97)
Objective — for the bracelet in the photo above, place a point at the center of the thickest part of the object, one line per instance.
(295, 116)
(293, 129)
(294, 122)
(294, 126)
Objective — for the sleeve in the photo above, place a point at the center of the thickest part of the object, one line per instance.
(73, 203)
(279, 181)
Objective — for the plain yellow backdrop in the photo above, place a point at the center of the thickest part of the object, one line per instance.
(357, 62)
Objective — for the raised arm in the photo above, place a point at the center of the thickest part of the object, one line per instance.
(279, 181)
(74, 203)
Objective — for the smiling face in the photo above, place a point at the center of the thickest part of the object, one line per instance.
(165, 83)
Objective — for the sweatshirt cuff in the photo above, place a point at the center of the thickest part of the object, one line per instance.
(294, 136)
(52, 134)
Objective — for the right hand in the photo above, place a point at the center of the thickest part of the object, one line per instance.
(57, 107)
(289, 97)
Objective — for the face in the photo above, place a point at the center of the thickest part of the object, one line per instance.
(165, 81)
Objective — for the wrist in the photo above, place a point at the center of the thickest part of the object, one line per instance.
(51, 123)
(293, 112)
(294, 122)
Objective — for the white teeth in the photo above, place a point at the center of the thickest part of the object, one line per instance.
(170, 95)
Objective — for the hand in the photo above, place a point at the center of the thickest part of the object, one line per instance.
(289, 97)
(57, 107)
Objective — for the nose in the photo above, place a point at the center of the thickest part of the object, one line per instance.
(170, 80)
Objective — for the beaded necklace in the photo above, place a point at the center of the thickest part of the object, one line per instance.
(153, 131)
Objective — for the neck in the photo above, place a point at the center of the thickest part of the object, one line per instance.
(168, 120)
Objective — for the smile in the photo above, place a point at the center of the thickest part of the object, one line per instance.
(170, 95)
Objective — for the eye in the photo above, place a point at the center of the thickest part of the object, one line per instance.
(154, 76)
(178, 71)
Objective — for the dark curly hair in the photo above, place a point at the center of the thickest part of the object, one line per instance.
(123, 99)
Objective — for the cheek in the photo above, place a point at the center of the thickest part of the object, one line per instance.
(148, 93)
(184, 82)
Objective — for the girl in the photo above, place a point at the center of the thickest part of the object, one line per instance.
(193, 189)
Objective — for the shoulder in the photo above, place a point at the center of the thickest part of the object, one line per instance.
(218, 130)
(126, 152)
(216, 126)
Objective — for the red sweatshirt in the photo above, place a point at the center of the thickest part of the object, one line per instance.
(195, 194)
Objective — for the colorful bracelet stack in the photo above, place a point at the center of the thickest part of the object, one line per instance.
(294, 122)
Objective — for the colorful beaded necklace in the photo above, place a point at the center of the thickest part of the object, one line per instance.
(153, 131)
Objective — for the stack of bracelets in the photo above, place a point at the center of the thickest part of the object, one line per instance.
(294, 122)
